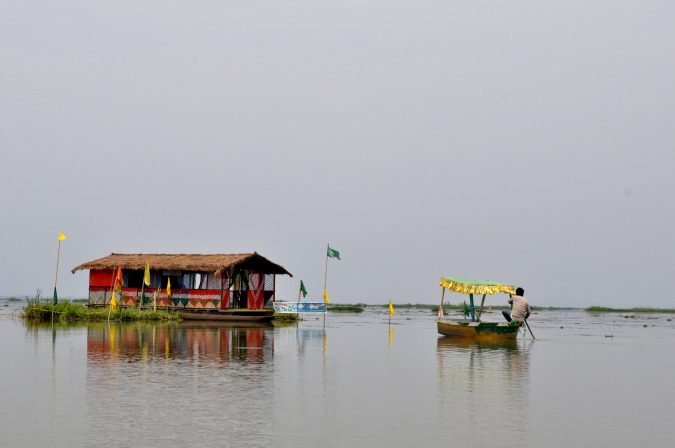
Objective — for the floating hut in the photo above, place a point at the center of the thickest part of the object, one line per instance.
(213, 282)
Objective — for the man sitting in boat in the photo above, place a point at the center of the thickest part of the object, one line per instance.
(520, 310)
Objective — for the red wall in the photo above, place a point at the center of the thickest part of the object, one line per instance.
(101, 277)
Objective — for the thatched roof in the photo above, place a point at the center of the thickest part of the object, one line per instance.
(215, 263)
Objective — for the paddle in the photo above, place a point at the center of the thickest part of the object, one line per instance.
(528, 327)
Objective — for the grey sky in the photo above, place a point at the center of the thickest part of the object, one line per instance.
(525, 142)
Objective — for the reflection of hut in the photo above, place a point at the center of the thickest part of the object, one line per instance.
(220, 342)
(218, 281)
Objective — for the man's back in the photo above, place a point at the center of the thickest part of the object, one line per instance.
(521, 308)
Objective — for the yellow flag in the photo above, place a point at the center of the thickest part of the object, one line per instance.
(391, 308)
(168, 286)
(113, 302)
(325, 295)
(146, 276)
(61, 236)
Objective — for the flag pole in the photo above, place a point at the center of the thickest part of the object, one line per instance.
(141, 298)
(56, 278)
(58, 255)
(297, 315)
(325, 278)
(112, 290)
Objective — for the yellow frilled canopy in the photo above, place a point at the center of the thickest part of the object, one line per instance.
(464, 286)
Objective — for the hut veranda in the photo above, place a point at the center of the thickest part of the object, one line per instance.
(215, 281)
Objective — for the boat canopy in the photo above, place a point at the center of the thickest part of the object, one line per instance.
(464, 286)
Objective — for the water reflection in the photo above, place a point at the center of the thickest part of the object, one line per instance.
(347, 385)
(183, 377)
(484, 386)
(207, 341)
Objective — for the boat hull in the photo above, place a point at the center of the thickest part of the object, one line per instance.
(265, 315)
(484, 331)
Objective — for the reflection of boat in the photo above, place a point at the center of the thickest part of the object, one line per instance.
(445, 344)
(474, 328)
(231, 315)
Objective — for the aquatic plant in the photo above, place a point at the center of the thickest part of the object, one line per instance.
(348, 308)
(66, 311)
(286, 317)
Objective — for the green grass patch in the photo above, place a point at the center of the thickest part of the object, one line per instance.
(346, 309)
(630, 310)
(66, 311)
(286, 317)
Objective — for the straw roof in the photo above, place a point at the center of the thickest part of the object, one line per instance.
(215, 263)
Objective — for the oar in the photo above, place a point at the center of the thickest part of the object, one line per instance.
(528, 327)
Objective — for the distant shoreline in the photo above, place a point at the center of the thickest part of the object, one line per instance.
(603, 309)
(434, 308)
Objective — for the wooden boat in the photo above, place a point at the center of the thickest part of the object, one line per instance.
(230, 315)
(473, 327)
(465, 328)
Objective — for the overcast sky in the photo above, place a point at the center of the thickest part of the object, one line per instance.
(526, 142)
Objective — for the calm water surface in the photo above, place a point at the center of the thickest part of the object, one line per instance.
(588, 380)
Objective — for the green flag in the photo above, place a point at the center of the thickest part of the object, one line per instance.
(302, 289)
(332, 253)
(55, 298)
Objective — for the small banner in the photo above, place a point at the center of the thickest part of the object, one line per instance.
(299, 307)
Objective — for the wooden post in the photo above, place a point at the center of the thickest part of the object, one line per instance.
(480, 312)
(440, 310)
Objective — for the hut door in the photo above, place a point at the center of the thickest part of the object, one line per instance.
(238, 289)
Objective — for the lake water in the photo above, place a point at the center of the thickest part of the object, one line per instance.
(591, 380)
